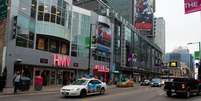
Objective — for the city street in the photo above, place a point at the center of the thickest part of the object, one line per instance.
(116, 94)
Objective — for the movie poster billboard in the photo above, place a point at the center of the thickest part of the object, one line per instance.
(103, 37)
(144, 14)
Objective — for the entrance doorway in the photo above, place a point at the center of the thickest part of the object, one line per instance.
(68, 77)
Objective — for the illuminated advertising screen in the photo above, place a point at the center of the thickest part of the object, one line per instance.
(103, 37)
(144, 14)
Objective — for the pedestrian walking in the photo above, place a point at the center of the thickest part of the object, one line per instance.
(16, 81)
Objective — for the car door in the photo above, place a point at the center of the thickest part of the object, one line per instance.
(91, 86)
(98, 85)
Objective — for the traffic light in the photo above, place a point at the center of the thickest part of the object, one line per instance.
(14, 27)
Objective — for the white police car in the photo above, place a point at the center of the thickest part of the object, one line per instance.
(83, 87)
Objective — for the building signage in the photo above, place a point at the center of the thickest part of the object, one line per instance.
(101, 68)
(42, 60)
(61, 60)
(192, 6)
(103, 35)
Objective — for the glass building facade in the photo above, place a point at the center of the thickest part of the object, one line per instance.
(52, 32)
(80, 35)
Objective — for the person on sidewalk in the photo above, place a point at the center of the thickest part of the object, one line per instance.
(16, 81)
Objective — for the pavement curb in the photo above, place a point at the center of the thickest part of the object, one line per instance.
(38, 92)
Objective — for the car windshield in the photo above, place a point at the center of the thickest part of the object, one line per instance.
(80, 82)
(155, 80)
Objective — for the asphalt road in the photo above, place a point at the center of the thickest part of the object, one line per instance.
(116, 94)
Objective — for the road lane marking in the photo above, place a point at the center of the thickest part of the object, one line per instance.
(162, 93)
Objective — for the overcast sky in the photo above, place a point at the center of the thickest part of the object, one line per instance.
(180, 28)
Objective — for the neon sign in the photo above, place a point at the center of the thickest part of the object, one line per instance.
(61, 60)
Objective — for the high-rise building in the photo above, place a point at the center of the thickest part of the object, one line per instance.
(180, 54)
(159, 33)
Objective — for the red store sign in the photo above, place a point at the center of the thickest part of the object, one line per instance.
(101, 68)
(61, 60)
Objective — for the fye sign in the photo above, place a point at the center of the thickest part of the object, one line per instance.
(61, 60)
(192, 6)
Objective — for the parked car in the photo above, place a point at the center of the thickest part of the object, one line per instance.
(145, 83)
(182, 86)
(155, 82)
(83, 87)
(126, 83)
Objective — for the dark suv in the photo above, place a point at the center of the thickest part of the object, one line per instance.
(182, 86)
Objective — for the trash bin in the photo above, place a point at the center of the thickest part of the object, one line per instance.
(2, 83)
(38, 83)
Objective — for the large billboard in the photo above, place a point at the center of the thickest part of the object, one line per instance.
(144, 14)
(103, 38)
(192, 6)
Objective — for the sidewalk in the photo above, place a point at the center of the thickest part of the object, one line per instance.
(55, 88)
(9, 91)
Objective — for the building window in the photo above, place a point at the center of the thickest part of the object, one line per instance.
(53, 46)
(41, 43)
(33, 8)
(47, 17)
(55, 13)
(64, 49)
(40, 16)
(25, 40)
(74, 50)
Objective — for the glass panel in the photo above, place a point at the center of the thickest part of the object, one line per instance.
(54, 46)
(58, 19)
(47, 17)
(40, 16)
(53, 18)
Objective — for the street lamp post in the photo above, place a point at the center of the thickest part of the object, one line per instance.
(199, 71)
(89, 61)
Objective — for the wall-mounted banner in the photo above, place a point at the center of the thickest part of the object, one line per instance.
(144, 15)
(192, 6)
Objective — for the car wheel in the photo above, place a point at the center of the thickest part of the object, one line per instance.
(102, 91)
(169, 94)
(83, 93)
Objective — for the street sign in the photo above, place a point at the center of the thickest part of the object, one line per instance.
(3, 9)
(197, 55)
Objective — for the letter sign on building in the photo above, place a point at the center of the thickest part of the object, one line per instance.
(61, 61)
